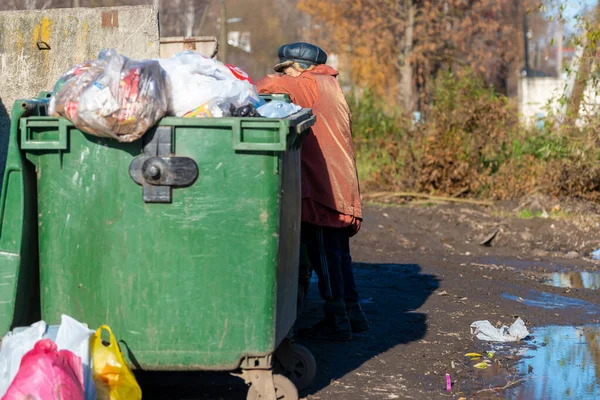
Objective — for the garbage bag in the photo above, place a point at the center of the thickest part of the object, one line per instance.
(47, 373)
(112, 96)
(72, 335)
(484, 330)
(203, 87)
(14, 347)
(278, 109)
(69, 335)
(218, 108)
(215, 108)
(114, 380)
(243, 111)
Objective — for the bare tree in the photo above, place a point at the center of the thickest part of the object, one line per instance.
(189, 16)
(583, 68)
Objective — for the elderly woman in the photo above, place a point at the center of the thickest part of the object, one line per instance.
(331, 207)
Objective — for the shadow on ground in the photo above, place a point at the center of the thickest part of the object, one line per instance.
(391, 293)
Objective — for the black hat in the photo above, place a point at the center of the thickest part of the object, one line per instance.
(300, 52)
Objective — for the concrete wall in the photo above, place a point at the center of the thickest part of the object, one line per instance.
(536, 94)
(37, 47)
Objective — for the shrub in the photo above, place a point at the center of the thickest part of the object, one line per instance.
(469, 144)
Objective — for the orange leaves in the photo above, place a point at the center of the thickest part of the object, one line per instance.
(372, 35)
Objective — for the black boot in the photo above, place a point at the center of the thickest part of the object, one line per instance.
(305, 270)
(335, 326)
(358, 319)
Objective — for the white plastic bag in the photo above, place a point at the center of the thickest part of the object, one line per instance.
(14, 347)
(484, 330)
(278, 109)
(69, 335)
(195, 81)
(75, 337)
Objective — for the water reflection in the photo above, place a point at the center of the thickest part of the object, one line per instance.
(573, 280)
(566, 365)
(550, 301)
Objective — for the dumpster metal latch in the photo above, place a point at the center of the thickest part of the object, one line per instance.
(158, 170)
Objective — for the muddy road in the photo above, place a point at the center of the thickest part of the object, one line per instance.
(425, 273)
(425, 277)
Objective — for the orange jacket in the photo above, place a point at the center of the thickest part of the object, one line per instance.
(329, 176)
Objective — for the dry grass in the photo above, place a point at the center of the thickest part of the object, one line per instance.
(470, 145)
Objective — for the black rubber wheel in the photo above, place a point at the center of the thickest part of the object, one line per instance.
(305, 367)
(284, 389)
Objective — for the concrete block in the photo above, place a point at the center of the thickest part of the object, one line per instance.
(37, 47)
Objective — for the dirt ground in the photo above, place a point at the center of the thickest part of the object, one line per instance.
(425, 277)
(426, 272)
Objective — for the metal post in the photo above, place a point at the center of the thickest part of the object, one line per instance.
(223, 40)
(526, 40)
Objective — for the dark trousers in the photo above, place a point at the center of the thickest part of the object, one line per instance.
(329, 254)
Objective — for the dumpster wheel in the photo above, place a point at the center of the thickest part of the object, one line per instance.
(284, 390)
(301, 368)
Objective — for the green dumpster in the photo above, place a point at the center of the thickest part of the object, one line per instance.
(185, 242)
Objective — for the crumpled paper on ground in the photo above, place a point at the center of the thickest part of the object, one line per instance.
(484, 330)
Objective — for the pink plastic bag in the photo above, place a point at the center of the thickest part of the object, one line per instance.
(48, 374)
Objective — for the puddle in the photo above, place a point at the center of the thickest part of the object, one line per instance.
(402, 269)
(549, 301)
(564, 363)
(573, 280)
(518, 264)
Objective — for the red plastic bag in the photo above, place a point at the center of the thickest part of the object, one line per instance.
(48, 374)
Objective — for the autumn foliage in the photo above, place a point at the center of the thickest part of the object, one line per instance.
(392, 46)
(456, 62)
(469, 145)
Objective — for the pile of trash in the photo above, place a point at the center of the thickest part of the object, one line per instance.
(113, 96)
(66, 361)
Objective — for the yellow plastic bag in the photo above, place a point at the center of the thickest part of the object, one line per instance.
(202, 111)
(113, 379)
